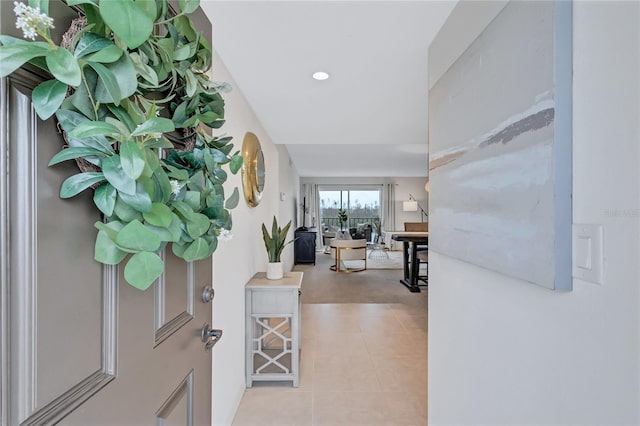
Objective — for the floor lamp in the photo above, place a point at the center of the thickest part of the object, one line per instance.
(412, 206)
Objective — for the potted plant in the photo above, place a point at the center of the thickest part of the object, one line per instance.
(342, 218)
(274, 244)
(377, 224)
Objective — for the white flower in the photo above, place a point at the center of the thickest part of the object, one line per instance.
(29, 20)
(225, 235)
(156, 135)
(175, 186)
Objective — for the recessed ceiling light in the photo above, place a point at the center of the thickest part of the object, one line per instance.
(320, 75)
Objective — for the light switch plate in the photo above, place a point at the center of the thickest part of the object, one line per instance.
(588, 256)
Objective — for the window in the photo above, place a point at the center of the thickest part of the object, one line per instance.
(362, 206)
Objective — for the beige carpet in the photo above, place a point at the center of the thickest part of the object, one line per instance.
(380, 259)
(321, 285)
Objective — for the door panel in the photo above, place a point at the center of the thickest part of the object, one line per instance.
(178, 408)
(173, 303)
(56, 345)
(78, 345)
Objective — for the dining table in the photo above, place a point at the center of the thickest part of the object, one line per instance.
(410, 243)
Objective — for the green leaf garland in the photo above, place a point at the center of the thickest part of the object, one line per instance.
(132, 95)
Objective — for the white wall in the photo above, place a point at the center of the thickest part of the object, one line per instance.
(505, 352)
(415, 187)
(290, 189)
(236, 261)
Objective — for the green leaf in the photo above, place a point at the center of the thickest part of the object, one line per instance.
(192, 83)
(75, 184)
(178, 174)
(136, 236)
(197, 225)
(104, 198)
(208, 117)
(108, 85)
(141, 201)
(179, 249)
(13, 56)
(188, 6)
(192, 199)
(158, 143)
(213, 245)
(124, 75)
(163, 233)
(125, 212)
(152, 162)
(122, 129)
(128, 21)
(92, 12)
(94, 128)
(69, 120)
(111, 228)
(149, 187)
(132, 159)
(232, 201)
(224, 221)
(90, 43)
(149, 7)
(8, 40)
(182, 53)
(106, 251)
(160, 215)
(134, 111)
(123, 116)
(143, 269)
(64, 66)
(163, 185)
(72, 153)
(81, 99)
(175, 228)
(184, 210)
(47, 97)
(144, 70)
(197, 250)
(235, 164)
(78, 35)
(184, 25)
(105, 56)
(113, 172)
(154, 125)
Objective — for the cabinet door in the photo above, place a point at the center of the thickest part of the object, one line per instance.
(305, 247)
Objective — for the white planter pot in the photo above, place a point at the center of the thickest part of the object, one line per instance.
(274, 271)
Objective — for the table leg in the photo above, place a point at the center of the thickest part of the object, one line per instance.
(334, 267)
(410, 279)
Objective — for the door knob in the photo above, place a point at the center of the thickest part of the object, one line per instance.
(211, 336)
(208, 294)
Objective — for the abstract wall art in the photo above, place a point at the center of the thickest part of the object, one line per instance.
(500, 147)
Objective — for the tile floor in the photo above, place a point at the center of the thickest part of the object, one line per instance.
(360, 364)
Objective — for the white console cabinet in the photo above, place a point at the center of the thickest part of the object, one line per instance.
(273, 328)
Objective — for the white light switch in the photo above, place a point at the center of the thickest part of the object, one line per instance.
(583, 252)
(588, 252)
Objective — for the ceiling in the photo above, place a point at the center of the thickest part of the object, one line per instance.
(370, 117)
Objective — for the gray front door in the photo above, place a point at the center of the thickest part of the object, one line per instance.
(78, 345)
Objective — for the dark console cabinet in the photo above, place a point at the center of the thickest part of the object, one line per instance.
(304, 248)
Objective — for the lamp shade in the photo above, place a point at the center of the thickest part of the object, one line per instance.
(410, 206)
